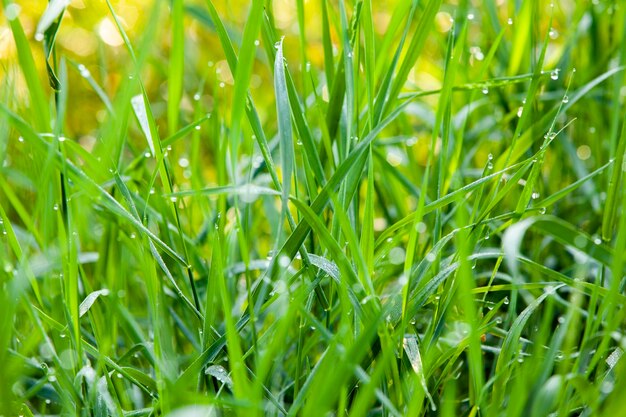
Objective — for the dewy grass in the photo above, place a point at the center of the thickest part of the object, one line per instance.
(356, 208)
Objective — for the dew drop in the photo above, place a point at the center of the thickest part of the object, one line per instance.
(542, 210)
(197, 127)
(534, 195)
(506, 301)
(565, 99)
(84, 72)
(173, 199)
(196, 97)
(12, 11)
(470, 16)
(147, 154)
(39, 36)
(62, 138)
(553, 33)
(519, 112)
(509, 21)
(554, 74)
(55, 207)
(607, 387)
(257, 42)
(20, 139)
(485, 90)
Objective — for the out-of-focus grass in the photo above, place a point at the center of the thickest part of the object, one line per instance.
(312, 208)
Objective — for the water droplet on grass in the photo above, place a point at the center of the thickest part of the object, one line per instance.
(565, 100)
(554, 74)
(84, 72)
(485, 90)
(196, 97)
(12, 11)
(39, 36)
(553, 33)
(509, 21)
(20, 139)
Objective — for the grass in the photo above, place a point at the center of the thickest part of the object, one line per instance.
(357, 208)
